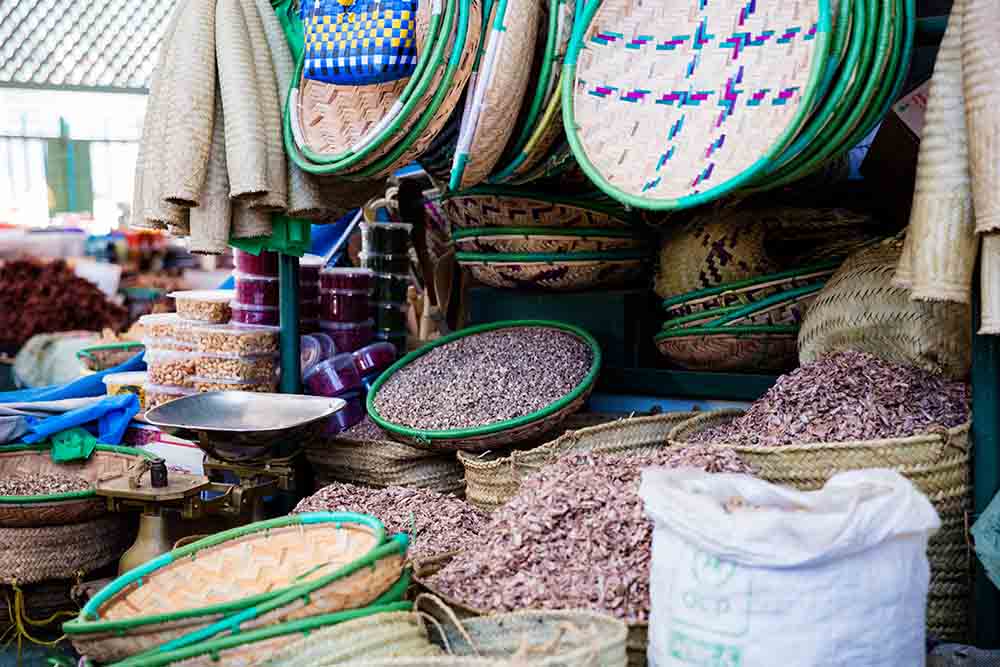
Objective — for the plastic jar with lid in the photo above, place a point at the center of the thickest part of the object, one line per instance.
(342, 305)
(386, 263)
(158, 325)
(223, 366)
(264, 264)
(256, 290)
(390, 288)
(309, 268)
(374, 358)
(332, 377)
(389, 316)
(170, 367)
(157, 395)
(231, 338)
(258, 385)
(310, 352)
(350, 415)
(348, 336)
(309, 292)
(310, 310)
(352, 278)
(203, 305)
(327, 347)
(257, 315)
(386, 237)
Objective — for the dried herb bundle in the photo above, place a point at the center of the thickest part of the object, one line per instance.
(574, 537)
(485, 378)
(435, 522)
(40, 484)
(847, 396)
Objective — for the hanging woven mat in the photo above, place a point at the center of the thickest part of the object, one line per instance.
(665, 107)
(937, 463)
(60, 508)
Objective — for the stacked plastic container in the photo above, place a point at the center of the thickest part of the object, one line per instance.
(256, 282)
(309, 293)
(385, 250)
(344, 307)
(169, 362)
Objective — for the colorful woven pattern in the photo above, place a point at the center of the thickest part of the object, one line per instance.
(358, 42)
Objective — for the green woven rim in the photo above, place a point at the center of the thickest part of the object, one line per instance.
(303, 626)
(747, 176)
(489, 232)
(562, 257)
(728, 331)
(88, 352)
(69, 495)
(732, 313)
(489, 429)
(89, 620)
(749, 282)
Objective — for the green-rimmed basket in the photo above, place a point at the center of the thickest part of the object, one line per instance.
(518, 240)
(652, 144)
(256, 646)
(507, 433)
(761, 349)
(556, 271)
(99, 358)
(181, 593)
(61, 508)
(514, 207)
(780, 309)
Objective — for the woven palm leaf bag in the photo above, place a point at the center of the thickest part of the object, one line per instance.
(671, 104)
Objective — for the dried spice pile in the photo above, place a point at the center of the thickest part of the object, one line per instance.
(847, 396)
(574, 537)
(37, 297)
(435, 522)
(485, 378)
(365, 429)
(40, 484)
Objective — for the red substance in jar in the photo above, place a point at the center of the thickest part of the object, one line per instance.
(309, 269)
(326, 344)
(256, 290)
(348, 337)
(374, 358)
(310, 310)
(346, 278)
(344, 305)
(308, 292)
(332, 377)
(259, 315)
(350, 415)
(264, 264)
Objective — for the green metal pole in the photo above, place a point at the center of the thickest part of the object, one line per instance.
(288, 282)
(986, 468)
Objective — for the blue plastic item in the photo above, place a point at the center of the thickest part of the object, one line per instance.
(109, 418)
(88, 385)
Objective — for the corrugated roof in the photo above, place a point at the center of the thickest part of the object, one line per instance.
(81, 44)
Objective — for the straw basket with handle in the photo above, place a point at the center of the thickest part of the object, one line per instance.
(936, 462)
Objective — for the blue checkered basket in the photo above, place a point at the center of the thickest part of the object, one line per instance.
(359, 42)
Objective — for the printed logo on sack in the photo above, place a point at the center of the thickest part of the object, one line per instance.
(695, 651)
(712, 595)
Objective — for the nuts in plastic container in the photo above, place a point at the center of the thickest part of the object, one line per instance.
(341, 305)
(308, 292)
(389, 316)
(264, 264)
(346, 278)
(332, 377)
(390, 288)
(386, 237)
(170, 367)
(350, 415)
(256, 315)
(159, 394)
(374, 358)
(310, 267)
(326, 345)
(260, 385)
(347, 336)
(235, 367)
(256, 290)
(203, 305)
(310, 353)
(158, 325)
(177, 344)
(385, 263)
(232, 339)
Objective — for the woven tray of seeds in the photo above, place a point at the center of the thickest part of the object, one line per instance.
(492, 480)
(186, 591)
(487, 206)
(41, 553)
(936, 462)
(34, 465)
(508, 432)
(762, 349)
(636, 640)
(556, 271)
(516, 240)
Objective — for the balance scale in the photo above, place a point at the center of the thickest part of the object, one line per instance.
(258, 438)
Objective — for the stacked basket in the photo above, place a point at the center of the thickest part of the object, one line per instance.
(512, 238)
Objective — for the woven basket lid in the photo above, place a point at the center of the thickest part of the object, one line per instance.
(671, 104)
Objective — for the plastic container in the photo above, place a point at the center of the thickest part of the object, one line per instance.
(159, 394)
(310, 310)
(170, 367)
(390, 287)
(230, 338)
(260, 385)
(309, 292)
(368, 381)
(256, 290)
(159, 325)
(389, 316)
(309, 268)
(341, 305)
(386, 263)
(348, 337)
(126, 383)
(204, 305)
(386, 237)
(178, 344)
(332, 377)
(350, 415)
(310, 352)
(257, 315)
(326, 344)
(346, 278)
(236, 366)
(264, 264)
(374, 358)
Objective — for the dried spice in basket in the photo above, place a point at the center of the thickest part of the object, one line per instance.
(574, 537)
(847, 396)
(435, 522)
(41, 484)
(485, 378)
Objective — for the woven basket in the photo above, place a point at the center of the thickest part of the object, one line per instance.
(782, 309)
(860, 309)
(185, 590)
(557, 272)
(31, 555)
(540, 240)
(508, 433)
(734, 349)
(60, 508)
(492, 481)
(496, 207)
(41, 602)
(936, 463)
